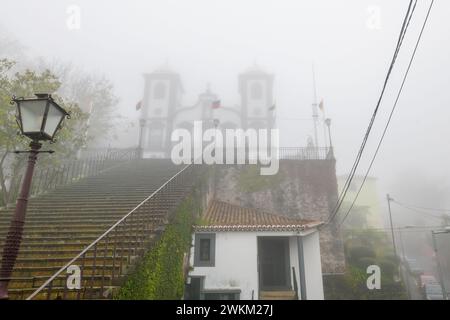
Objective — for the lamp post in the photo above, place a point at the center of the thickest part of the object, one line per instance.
(389, 199)
(39, 119)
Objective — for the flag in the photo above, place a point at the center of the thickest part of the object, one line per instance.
(215, 104)
(321, 106)
(272, 107)
(138, 105)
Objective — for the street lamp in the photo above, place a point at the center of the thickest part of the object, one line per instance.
(39, 119)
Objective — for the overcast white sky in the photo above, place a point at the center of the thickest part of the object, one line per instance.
(212, 41)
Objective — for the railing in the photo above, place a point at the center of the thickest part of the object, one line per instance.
(294, 280)
(109, 153)
(246, 155)
(72, 170)
(307, 153)
(100, 267)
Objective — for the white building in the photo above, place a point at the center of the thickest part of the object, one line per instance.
(162, 109)
(243, 253)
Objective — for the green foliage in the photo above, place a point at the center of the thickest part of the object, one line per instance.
(364, 262)
(356, 253)
(201, 222)
(392, 258)
(250, 179)
(352, 286)
(362, 250)
(160, 276)
(95, 95)
(26, 84)
(388, 266)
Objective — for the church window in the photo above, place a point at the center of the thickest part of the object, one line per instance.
(155, 136)
(256, 91)
(257, 111)
(159, 92)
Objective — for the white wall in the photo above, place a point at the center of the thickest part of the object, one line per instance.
(313, 267)
(235, 265)
(236, 262)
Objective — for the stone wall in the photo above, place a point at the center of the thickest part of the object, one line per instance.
(302, 188)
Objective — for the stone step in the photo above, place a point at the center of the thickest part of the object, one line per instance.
(59, 292)
(277, 295)
(48, 271)
(101, 224)
(60, 281)
(27, 239)
(95, 215)
(69, 245)
(71, 233)
(100, 260)
(69, 253)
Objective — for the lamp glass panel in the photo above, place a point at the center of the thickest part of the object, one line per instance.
(32, 114)
(53, 118)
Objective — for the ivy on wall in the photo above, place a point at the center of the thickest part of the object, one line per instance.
(159, 276)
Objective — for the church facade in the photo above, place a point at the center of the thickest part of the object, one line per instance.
(162, 109)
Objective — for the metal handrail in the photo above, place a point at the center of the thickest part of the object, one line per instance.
(107, 232)
(69, 171)
(252, 155)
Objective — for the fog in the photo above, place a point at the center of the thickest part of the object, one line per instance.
(210, 41)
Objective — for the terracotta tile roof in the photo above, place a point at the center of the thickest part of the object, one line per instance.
(223, 216)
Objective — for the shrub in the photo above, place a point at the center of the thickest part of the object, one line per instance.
(363, 263)
(388, 267)
(356, 253)
(159, 276)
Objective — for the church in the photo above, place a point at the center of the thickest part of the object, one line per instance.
(162, 109)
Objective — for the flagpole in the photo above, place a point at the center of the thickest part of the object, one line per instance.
(315, 114)
(324, 129)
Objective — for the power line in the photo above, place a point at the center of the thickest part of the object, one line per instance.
(359, 155)
(372, 120)
(422, 208)
(391, 113)
(406, 228)
(421, 212)
(395, 56)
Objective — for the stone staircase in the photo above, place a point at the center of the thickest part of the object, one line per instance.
(60, 224)
(277, 295)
